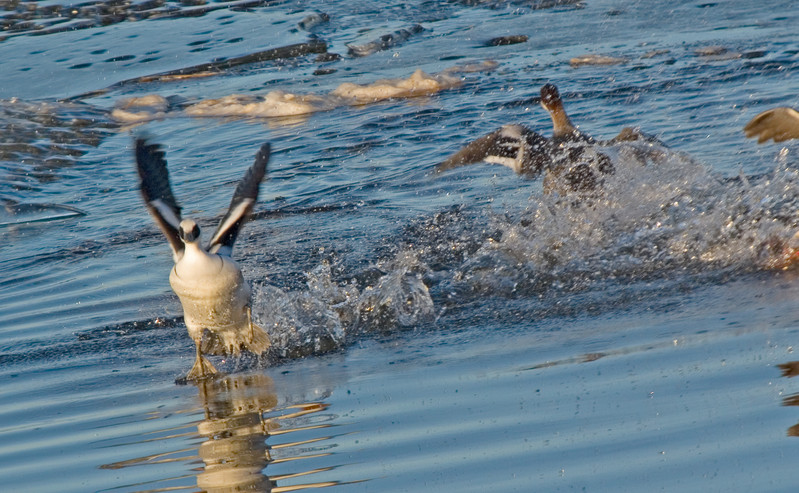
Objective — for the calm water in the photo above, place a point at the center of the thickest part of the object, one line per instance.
(462, 332)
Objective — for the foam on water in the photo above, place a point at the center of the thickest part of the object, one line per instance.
(280, 103)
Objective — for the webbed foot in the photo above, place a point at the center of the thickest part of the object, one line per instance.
(202, 369)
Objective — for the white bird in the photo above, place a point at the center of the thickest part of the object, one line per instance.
(211, 288)
(779, 124)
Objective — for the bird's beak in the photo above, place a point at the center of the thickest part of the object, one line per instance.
(191, 235)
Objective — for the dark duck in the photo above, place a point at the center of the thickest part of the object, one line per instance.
(569, 161)
(575, 164)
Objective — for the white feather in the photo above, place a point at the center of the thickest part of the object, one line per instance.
(166, 212)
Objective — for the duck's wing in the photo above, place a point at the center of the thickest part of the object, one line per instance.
(473, 152)
(244, 199)
(779, 124)
(514, 146)
(157, 193)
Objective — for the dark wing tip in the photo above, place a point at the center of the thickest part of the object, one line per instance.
(151, 163)
(143, 144)
(155, 189)
(244, 198)
(263, 154)
(152, 167)
(257, 171)
(249, 185)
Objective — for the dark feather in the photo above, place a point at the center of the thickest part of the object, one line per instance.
(157, 192)
(510, 142)
(244, 199)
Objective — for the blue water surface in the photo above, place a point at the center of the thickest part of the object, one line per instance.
(456, 332)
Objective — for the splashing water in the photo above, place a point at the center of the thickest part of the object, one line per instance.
(329, 314)
(661, 212)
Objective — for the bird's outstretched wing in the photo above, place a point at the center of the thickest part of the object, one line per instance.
(157, 193)
(514, 146)
(779, 124)
(244, 199)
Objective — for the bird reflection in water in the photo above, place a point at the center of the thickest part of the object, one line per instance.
(791, 369)
(241, 414)
(235, 451)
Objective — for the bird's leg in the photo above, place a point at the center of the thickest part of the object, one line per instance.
(249, 320)
(258, 340)
(202, 368)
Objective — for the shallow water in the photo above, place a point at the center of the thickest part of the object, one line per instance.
(462, 332)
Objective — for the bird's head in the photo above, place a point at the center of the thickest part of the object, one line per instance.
(550, 97)
(188, 231)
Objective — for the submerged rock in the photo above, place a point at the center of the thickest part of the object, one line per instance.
(384, 42)
(507, 40)
(313, 20)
